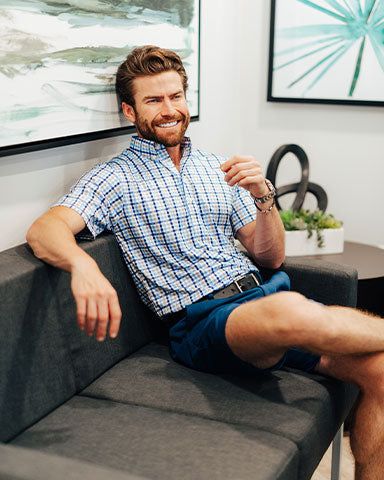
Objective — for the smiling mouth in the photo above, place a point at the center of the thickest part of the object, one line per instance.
(168, 125)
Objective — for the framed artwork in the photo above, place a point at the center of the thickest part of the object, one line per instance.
(327, 51)
(58, 60)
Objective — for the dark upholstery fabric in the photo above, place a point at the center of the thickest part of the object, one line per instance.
(161, 445)
(147, 415)
(324, 282)
(26, 464)
(307, 409)
(35, 367)
(91, 358)
(45, 358)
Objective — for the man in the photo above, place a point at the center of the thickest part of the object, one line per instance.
(175, 212)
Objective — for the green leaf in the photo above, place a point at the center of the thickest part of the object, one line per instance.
(315, 221)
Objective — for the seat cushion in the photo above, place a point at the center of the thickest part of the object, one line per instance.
(307, 409)
(159, 444)
(18, 463)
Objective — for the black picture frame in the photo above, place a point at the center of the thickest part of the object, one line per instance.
(58, 141)
(278, 94)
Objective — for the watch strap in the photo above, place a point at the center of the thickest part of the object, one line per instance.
(269, 196)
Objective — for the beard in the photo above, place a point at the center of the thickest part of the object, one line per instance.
(161, 135)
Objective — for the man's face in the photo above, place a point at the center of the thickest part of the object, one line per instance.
(161, 111)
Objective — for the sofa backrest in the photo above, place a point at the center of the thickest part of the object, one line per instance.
(44, 357)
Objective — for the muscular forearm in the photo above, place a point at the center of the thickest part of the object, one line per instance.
(268, 241)
(264, 238)
(52, 240)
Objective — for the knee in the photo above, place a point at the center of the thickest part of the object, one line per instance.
(269, 318)
(287, 318)
(301, 320)
(369, 373)
(291, 310)
(284, 305)
(286, 302)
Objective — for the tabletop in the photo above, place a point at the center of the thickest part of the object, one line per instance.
(367, 259)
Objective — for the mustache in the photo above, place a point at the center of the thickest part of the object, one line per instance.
(168, 119)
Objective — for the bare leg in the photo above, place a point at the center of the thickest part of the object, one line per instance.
(261, 331)
(367, 430)
(349, 342)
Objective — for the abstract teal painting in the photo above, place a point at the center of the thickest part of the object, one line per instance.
(58, 60)
(327, 51)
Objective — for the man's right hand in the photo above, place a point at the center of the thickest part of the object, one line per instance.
(96, 300)
(52, 239)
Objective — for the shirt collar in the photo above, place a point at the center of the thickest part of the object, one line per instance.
(156, 151)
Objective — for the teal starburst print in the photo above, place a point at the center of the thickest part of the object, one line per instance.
(328, 46)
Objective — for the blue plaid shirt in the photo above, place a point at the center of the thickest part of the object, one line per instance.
(175, 229)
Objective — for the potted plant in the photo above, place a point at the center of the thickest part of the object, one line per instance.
(309, 233)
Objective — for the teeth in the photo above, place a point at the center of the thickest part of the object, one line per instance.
(171, 124)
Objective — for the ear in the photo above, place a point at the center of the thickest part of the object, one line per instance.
(129, 112)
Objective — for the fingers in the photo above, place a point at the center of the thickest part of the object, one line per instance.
(81, 304)
(236, 168)
(109, 312)
(245, 172)
(91, 316)
(95, 313)
(115, 317)
(102, 319)
(97, 303)
(244, 177)
(237, 159)
(239, 168)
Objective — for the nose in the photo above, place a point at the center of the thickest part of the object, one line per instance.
(167, 109)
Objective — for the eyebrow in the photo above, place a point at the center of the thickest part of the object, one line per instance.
(158, 97)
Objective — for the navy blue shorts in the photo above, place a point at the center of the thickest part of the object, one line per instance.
(198, 340)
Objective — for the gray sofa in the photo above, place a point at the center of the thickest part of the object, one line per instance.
(73, 408)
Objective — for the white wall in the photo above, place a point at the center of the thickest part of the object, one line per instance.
(344, 144)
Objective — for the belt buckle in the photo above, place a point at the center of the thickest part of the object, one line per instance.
(240, 288)
(257, 281)
(238, 285)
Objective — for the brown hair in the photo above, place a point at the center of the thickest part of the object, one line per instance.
(143, 61)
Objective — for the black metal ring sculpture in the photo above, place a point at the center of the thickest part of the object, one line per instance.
(300, 188)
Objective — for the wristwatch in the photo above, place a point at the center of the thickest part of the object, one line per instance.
(269, 196)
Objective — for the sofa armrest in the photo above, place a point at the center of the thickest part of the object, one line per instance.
(325, 282)
(17, 463)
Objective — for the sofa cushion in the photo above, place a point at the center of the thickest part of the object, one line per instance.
(307, 409)
(45, 358)
(160, 445)
(36, 372)
(18, 463)
(91, 358)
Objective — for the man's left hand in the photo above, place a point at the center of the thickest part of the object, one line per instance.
(245, 172)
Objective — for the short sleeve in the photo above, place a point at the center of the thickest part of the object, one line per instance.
(93, 197)
(244, 210)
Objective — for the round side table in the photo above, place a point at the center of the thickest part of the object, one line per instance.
(369, 262)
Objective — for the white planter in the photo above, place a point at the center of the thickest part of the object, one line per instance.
(298, 243)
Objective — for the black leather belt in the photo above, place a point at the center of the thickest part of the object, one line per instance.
(241, 285)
